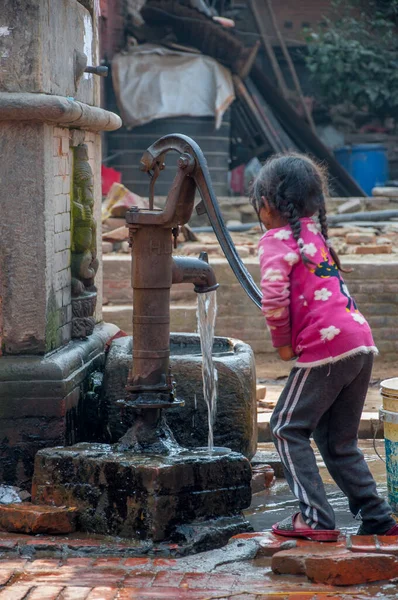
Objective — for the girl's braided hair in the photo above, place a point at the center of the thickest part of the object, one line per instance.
(296, 187)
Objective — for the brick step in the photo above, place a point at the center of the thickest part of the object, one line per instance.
(368, 426)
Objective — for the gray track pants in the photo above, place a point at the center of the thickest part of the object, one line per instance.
(327, 402)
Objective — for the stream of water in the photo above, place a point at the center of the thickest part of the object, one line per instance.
(207, 311)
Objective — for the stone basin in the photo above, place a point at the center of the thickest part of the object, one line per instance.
(236, 419)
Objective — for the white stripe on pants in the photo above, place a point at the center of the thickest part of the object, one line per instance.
(283, 447)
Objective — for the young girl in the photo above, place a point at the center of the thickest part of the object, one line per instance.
(312, 317)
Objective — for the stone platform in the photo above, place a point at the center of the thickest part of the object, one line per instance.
(141, 496)
(46, 401)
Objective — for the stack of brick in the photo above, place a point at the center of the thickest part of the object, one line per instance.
(363, 242)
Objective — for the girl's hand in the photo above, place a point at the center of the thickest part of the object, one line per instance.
(286, 353)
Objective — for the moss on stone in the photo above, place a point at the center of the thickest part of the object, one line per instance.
(52, 323)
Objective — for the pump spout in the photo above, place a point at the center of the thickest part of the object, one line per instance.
(188, 269)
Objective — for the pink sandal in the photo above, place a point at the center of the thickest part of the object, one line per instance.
(288, 529)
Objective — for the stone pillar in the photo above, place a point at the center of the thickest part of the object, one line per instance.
(48, 106)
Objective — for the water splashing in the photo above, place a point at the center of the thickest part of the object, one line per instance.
(207, 311)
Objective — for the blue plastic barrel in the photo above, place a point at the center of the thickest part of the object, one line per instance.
(366, 163)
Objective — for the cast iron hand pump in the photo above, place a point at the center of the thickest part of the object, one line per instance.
(150, 387)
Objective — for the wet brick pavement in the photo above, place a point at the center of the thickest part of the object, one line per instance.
(209, 576)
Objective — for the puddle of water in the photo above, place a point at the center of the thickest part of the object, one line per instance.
(272, 505)
(207, 312)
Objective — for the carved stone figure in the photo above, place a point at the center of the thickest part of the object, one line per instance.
(84, 261)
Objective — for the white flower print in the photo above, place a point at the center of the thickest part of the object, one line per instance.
(305, 303)
(260, 251)
(323, 294)
(275, 312)
(313, 228)
(273, 275)
(291, 258)
(283, 234)
(309, 249)
(345, 291)
(358, 318)
(328, 333)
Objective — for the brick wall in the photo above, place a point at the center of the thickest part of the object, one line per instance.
(59, 246)
(373, 283)
(111, 27)
(291, 16)
(62, 168)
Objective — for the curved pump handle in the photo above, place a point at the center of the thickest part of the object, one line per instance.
(209, 204)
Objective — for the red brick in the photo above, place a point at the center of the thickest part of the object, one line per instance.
(68, 575)
(139, 580)
(169, 594)
(351, 569)
(267, 473)
(254, 586)
(106, 562)
(356, 237)
(74, 593)
(258, 482)
(45, 592)
(373, 249)
(5, 575)
(81, 562)
(50, 565)
(168, 579)
(14, 592)
(135, 562)
(164, 562)
(383, 544)
(303, 596)
(221, 581)
(195, 580)
(117, 235)
(249, 597)
(292, 562)
(30, 518)
(103, 593)
(16, 564)
(45, 541)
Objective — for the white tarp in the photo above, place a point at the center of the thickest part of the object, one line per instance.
(154, 82)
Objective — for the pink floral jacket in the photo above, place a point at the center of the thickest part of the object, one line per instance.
(309, 307)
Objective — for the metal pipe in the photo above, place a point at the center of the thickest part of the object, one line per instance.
(188, 269)
(151, 282)
(372, 215)
(234, 228)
